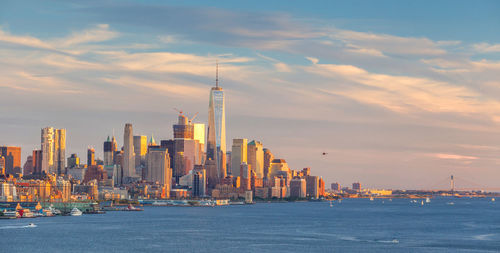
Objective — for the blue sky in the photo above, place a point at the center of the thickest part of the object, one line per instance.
(396, 92)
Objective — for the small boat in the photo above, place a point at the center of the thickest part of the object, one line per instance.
(130, 207)
(492, 199)
(422, 202)
(427, 200)
(450, 203)
(371, 198)
(31, 225)
(76, 212)
(331, 203)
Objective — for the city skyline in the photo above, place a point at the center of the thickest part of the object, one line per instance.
(392, 107)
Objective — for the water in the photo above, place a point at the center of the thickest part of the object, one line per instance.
(355, 225)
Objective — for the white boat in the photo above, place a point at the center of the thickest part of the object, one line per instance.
(76, 212)
(427, 200)
(450, 203)
(31, 225)
(422, 202)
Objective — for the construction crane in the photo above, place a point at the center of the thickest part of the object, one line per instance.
(179, 111)
(191, 120)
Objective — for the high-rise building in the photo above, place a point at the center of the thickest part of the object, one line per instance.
(140, 150)
(298, 188)
(60, 151)
(53, 143)
(239, 155)
(110, 148)
(255, 158)
(90, 157)
(12, 156)
(199, 132)
(28, 166)
(37, 161)
(216, 137)
(199, 181)
(312, 183)
(268, 158)
(2, 165)
(245, 176)
(335, 187)
(158, 166)
(128, 152)
(279, 166)
(356, 186)
(73, 161)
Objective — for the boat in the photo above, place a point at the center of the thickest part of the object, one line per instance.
(76, 212)
(371, 198)
(331, 203)
(31, 225)
(427, 200)
(26, 213)
(492, 199)
(450, 203)
(130, 207)
(422, 202)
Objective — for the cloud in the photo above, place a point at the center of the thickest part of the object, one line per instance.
(99, 33)
(486, 48)
(453, 156)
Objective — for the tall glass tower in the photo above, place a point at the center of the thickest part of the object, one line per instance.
(216, 137)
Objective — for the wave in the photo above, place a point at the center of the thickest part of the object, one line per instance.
(355, 239)
(18, 227)
(484, 237)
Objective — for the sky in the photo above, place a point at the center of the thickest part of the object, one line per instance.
(400, 94)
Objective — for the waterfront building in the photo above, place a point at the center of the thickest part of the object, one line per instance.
(128, 153)
(312, 185)
(248, 197)
(239, 154)
(356, 186)
(199, 181)
(255, 157)
(245, 177)
(12, 159)
(91, 157)
(262, 192)
(140, 150)
(216, 137)
(298, 188)
(268, 158)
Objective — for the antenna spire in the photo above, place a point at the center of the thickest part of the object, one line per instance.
(216, 73)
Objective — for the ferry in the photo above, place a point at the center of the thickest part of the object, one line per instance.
(130, 207)
(76, 212)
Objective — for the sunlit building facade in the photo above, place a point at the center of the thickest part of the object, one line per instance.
(238, 155)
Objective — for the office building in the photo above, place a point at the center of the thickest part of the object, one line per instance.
(158, 166)
(28, 166)
(60, 151)
(268, 158)
(140, 150)
(239, 154)
(128, 152)
(199, 181)
(73, 161)
(110, 148)
(12, 157)
(335, 187)
(298, 188)
(216, 137)
(53, 146)
(37, 161)
(356, 186)
(90, 157)
(312, 185)
(255, 158)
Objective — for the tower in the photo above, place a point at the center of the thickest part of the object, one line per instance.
(47, 142)
(238, 155)
(128, 152)
(216, 134)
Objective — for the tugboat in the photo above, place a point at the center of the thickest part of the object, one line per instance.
(76, 212)
(130, 207)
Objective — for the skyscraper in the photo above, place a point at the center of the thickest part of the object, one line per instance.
(140, 150)
(199, 181)
(255, 158)
(12, 156)
(268, 158)
(216, 137)
(158, 166)
(109, 151)
(90, 157)
(60, 151)
(238, 155)
(53, 142)
(128, 152)
(47, 149)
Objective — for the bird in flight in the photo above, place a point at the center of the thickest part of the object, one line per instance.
(324, 153)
